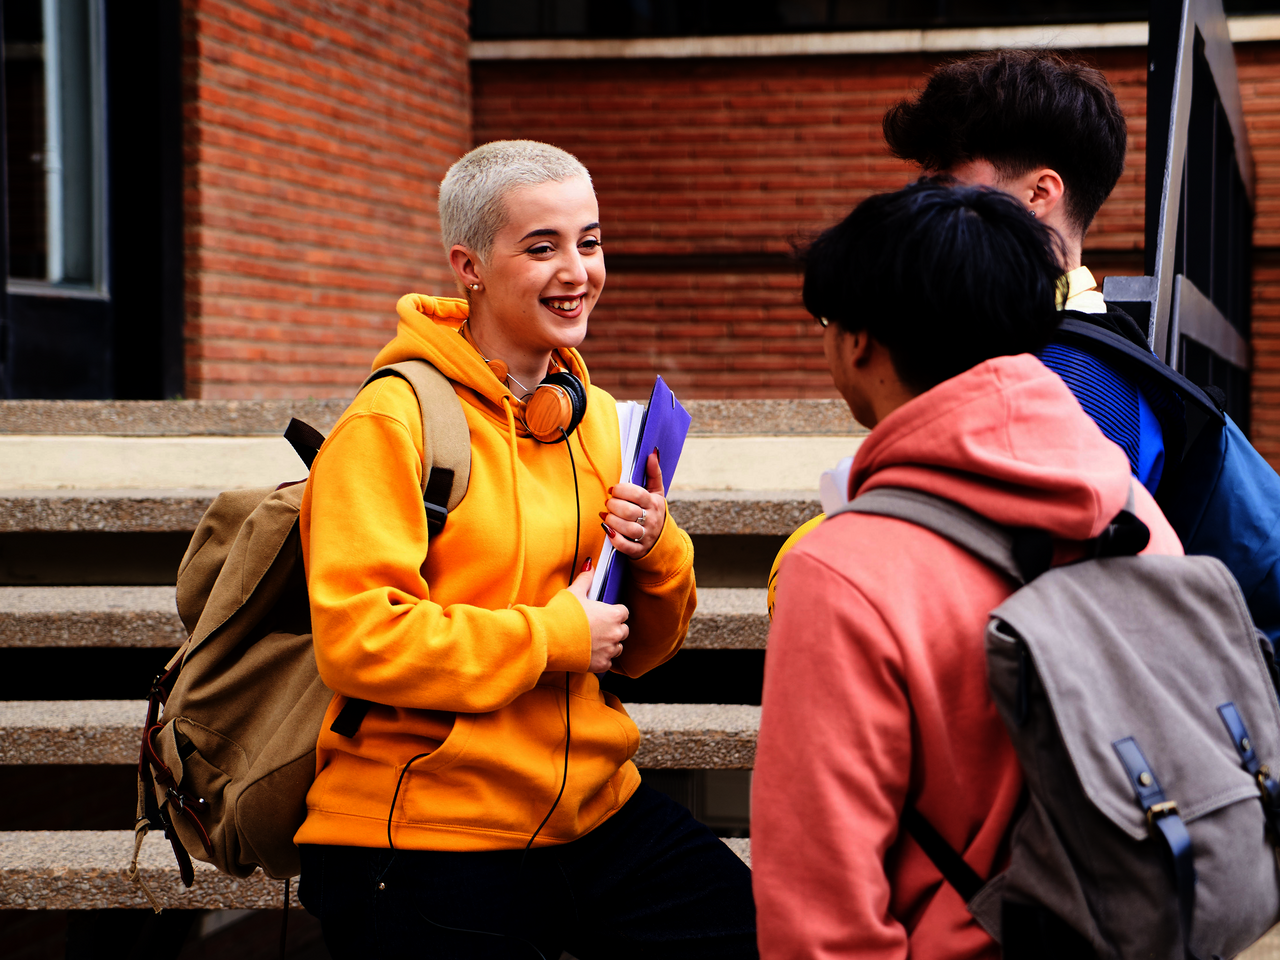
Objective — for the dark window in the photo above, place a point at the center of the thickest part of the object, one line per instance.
(511, 19)
(92, 200)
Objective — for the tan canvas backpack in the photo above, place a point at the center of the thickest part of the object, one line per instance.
(228, 750)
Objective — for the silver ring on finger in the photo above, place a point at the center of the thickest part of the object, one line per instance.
(640, 519)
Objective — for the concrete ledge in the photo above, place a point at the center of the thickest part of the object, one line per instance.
(104, 511)
(694, 736)
(240, 418)
(727, 618)
(134, 617)
(158, 511)
(85, 870)
(674, 736)
(89, 617)
(70, 463)
(769, 512)
(71, 731)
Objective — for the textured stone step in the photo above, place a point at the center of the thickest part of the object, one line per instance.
(726, 619)
(122, 617)
(85, 870)
(241, 418)
(674, 736)
(775, 513)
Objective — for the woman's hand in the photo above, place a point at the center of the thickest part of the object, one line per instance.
(608, 624)
(635, 515)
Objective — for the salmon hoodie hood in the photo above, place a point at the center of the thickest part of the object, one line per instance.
(1007, 440)
(429, 326)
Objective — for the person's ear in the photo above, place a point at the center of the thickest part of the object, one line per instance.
(466, 267)
(858, 348)
(1044, 192)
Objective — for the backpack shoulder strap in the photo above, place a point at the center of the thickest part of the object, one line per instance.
(446, 438)
(986, 540)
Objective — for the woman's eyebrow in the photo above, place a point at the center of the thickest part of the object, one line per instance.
(550, 232)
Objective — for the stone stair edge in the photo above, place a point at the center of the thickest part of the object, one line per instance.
(85, 869)
(161, 418)
(767, 512)
(727, 618)
(78, 732)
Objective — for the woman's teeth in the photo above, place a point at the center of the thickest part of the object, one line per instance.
(566, 305)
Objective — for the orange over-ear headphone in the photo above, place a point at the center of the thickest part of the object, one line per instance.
(556, 406)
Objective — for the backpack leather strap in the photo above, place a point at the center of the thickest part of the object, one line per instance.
(446, 437)
(1162, 816)
(950, 864)
(446, 473)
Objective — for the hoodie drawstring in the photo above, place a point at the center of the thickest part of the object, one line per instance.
(515, 483)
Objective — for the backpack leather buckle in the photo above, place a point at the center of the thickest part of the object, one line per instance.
(1158, 810)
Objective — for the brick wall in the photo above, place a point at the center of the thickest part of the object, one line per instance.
(1259, 68)
(706, 169)
(316, 133)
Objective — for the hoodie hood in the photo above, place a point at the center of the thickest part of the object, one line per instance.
(1007, 440)
(428, 330)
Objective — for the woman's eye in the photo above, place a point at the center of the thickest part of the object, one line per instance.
(591, 243)
(540, 250)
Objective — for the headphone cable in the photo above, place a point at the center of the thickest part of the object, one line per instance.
(573, 571)
(564, 781)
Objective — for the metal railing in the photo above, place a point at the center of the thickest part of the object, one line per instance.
(1195, 297)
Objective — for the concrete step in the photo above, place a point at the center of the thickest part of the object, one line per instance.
(132, 617)
(85, 870)
(674, 735)
(222, 463)
(734, 445)
(699, 512)
(247, 418)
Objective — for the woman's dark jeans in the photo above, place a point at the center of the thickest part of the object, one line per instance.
(649, 882)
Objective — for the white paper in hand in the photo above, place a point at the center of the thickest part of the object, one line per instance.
(630, 420)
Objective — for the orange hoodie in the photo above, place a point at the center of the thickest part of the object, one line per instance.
(469, 642)
(875, 691)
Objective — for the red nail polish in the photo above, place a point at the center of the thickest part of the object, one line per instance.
(603, 515)
(607, 532)
(586, 566)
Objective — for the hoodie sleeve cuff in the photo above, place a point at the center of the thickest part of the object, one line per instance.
(568, 634)
(671, 554)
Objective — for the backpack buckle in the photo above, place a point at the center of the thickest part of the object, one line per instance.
(1158, 810)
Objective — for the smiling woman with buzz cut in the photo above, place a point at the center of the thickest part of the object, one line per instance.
(486, 804)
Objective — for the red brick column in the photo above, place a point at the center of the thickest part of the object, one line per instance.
(316, 134)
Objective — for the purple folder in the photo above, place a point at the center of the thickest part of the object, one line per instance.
(665, 425)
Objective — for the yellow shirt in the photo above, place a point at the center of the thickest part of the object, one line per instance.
(1083, 293)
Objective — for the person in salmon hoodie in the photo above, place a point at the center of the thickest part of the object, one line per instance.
(487, 805)
(932, 301)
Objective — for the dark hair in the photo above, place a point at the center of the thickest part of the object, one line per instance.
(1018, 109)
(944, 278)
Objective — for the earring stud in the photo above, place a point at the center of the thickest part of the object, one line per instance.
(475, 286)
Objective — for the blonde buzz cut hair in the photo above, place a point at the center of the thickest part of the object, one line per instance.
(473, 192)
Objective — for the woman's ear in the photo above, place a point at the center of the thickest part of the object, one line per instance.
(466, 267)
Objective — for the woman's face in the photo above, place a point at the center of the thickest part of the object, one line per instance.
(546, 268)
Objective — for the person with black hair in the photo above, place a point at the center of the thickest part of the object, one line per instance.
(931, 301)
(1047, 129)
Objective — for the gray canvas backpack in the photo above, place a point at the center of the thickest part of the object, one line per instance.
(1141, 702)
